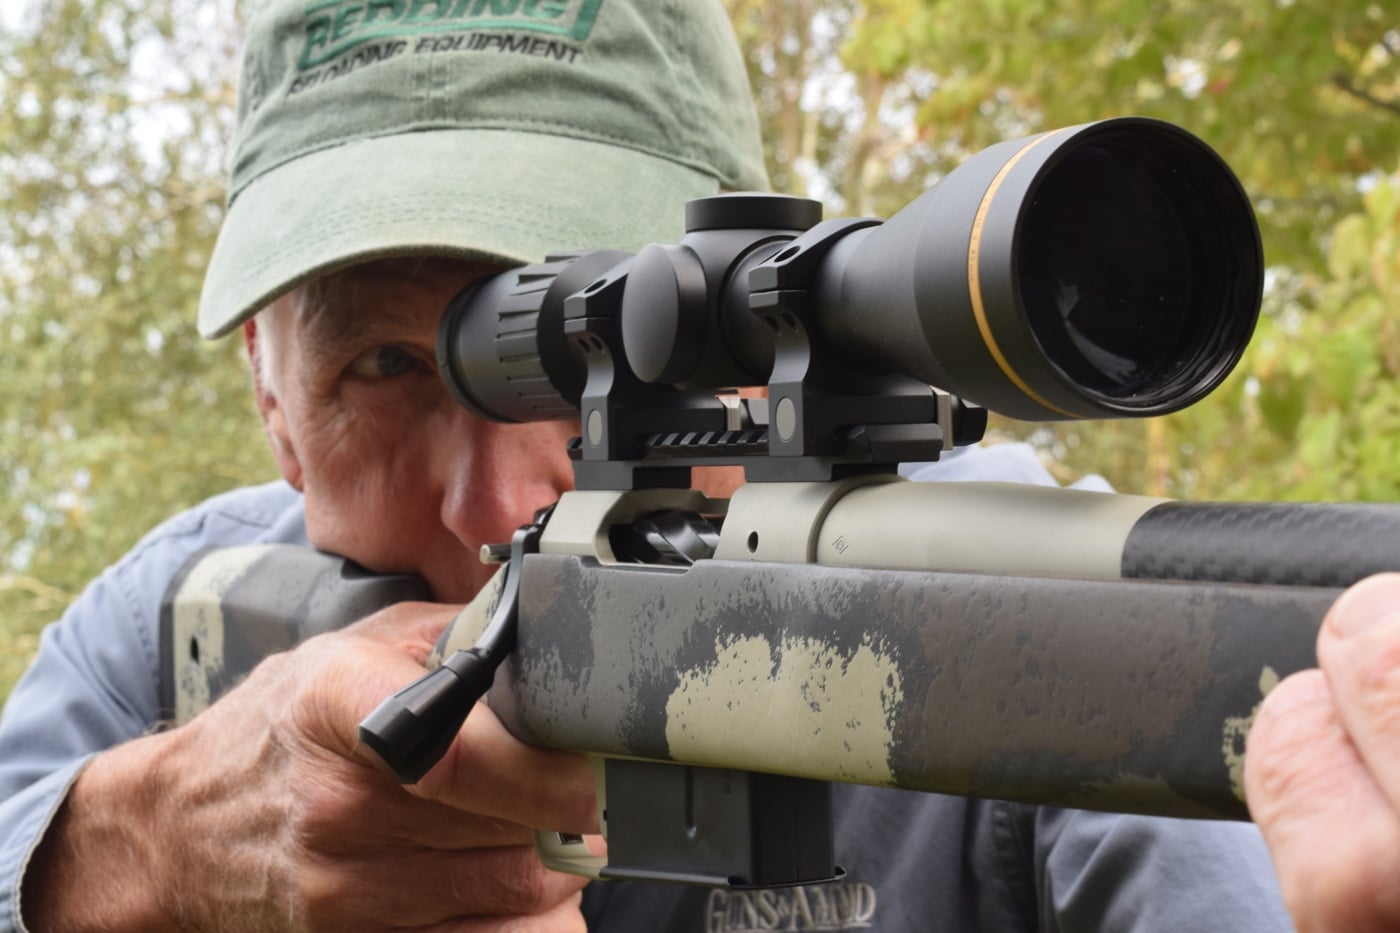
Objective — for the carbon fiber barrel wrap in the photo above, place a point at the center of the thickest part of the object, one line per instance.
(1304, 544)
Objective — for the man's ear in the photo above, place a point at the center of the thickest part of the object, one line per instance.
(270, 408)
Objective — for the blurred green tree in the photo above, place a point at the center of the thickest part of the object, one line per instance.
(1301, 98)
(114, 413)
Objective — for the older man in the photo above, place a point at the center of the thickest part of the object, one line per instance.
(389, 153)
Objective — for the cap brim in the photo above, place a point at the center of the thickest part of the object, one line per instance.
(494, 195)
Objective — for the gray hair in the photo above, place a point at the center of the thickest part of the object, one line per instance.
(309, 302)
(297, 305)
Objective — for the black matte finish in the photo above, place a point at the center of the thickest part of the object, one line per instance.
(411, 730)
(502, 349)
(664, 314)
(717, 826)
(747, 210)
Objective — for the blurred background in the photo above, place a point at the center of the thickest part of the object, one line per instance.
(114, 136)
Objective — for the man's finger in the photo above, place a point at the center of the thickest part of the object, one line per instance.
(344, 676)
(1358, 649)
(415, 888)
(1333, 835)
(412, 627)
(485, 771)
(488, 771)
(342, 817)
(564, 918)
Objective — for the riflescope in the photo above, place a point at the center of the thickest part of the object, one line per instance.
(1112, 269)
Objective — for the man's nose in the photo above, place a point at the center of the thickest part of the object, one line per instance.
(495, 476)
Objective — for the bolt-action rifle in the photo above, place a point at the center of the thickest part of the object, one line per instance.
(725, 661)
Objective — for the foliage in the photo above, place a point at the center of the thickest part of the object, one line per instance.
(1303, 101)
(114, 413)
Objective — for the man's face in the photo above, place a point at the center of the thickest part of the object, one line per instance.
(397, 475)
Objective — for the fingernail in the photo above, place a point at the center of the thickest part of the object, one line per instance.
(1366, 604)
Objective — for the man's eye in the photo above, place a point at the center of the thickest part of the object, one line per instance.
(384, 362)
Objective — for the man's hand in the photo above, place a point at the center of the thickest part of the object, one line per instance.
(260, 814)
(1322, 772)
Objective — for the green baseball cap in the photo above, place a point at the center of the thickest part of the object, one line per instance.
(495, 130)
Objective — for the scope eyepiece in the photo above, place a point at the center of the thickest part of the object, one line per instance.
(501, 347)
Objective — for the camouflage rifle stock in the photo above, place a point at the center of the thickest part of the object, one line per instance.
(1058, 647)
(831, 622)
